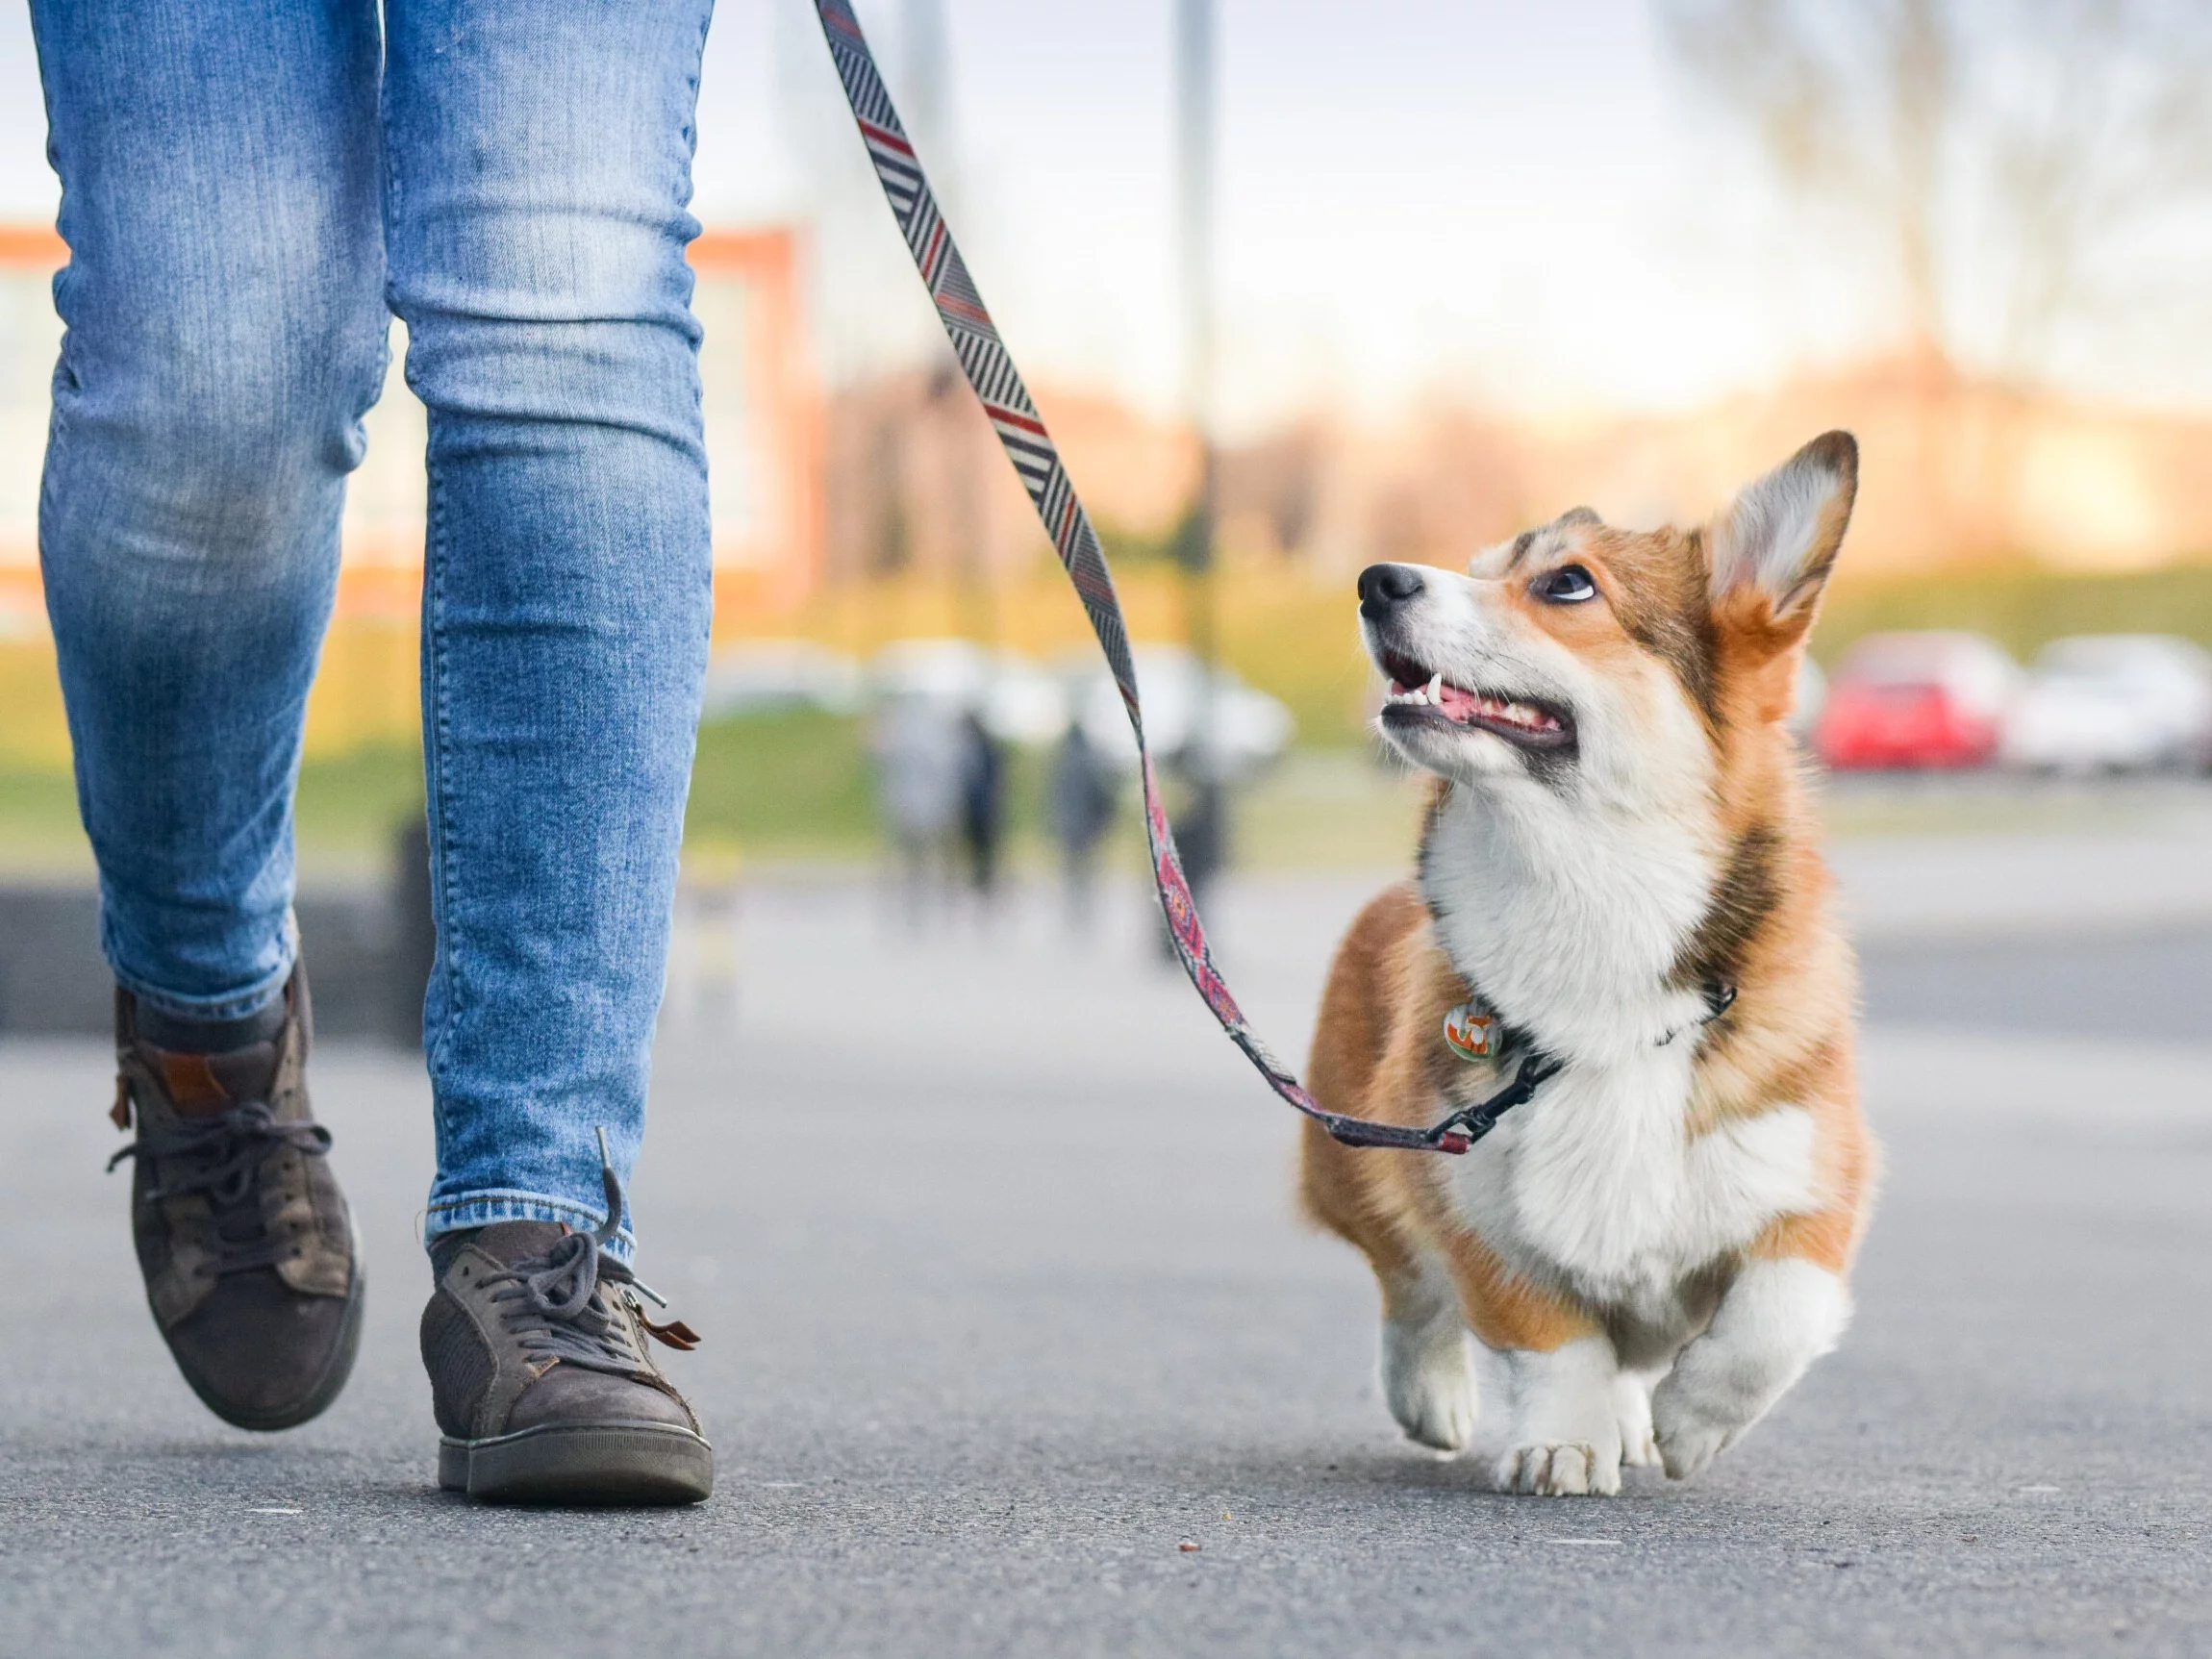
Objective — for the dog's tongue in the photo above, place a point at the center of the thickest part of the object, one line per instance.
(1458, 704)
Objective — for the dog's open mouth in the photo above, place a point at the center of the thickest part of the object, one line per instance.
(1417, 692)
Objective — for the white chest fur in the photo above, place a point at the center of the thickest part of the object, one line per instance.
(1596, 1183)
(1570, 922)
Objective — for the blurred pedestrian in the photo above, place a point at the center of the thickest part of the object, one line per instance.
(1200, 821)
(249, 193)
(982, 803)
(1081, 801)
(919, 755)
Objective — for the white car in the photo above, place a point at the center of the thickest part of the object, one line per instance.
(2113, 702)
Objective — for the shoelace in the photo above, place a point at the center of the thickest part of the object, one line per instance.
(223, 1157)
(557, 1302)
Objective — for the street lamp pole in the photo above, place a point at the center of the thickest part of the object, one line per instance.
(930, 105)
(1204, 834)
(1195, 248)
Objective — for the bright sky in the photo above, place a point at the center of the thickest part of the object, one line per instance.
(1471, 200)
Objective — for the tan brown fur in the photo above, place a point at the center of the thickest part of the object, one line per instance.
(1375, 1055)
(1788, 1040)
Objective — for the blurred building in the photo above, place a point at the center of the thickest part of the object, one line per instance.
(764, 425)
(820, 498)
(1955, 472)
(919, 484)
(1958, 471)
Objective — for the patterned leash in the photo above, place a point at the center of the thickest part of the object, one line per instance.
(997, 383)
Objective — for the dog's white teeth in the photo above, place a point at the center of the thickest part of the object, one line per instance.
(1514, 714)
(1471, 706)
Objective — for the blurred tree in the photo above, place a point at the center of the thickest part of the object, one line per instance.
(2042, 137)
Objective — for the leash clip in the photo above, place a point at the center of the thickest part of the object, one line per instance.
(1460, 1131)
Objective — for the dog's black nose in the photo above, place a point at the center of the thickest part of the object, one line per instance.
(1382, 586)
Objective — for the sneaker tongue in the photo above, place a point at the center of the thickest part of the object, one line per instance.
(509, 1242)
(209, 1085)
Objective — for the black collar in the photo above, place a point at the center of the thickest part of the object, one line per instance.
(1460, 1131)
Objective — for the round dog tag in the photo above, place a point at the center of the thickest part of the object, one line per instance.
(1471, 1032)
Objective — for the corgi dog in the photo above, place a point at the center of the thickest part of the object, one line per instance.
(1618, 883)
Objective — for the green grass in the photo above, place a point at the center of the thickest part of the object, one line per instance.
(787, 784)
(348, 811)
(796, 785)
(1329, 809)
(799, 784)
(38, 831)
(790, 784)
(2023, 609)
(351, 806)
(784, 785)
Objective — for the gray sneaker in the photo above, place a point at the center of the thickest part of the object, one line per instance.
(540, 1376)
(244, 1241)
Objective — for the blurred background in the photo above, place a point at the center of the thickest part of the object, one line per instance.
(1299, 287)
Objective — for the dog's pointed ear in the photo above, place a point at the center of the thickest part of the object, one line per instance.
(1779, 540)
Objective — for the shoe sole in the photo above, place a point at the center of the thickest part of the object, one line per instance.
(601, 1463)
(335, 1374)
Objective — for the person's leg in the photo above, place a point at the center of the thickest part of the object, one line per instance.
(539, 161)
(539, 166)
(225, 333)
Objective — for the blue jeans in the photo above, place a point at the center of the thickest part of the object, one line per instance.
(250, 188)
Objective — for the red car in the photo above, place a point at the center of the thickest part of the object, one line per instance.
(1922, 700)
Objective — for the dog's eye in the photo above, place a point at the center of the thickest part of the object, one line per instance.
(1569, 585)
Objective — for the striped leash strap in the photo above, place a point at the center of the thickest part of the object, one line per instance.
(997, 384)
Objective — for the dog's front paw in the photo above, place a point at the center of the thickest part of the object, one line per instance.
(1429, 1382)
(1775, 1320)
(1558, 1469)
(1632, 1405)
(1688, 1438)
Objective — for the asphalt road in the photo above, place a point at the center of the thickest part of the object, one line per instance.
(1004, 1303)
